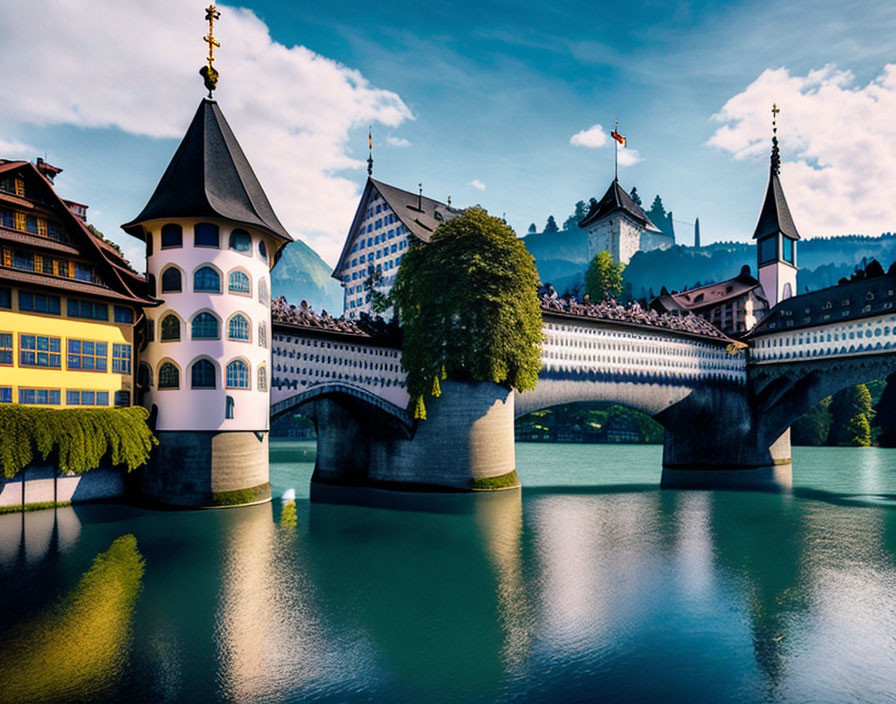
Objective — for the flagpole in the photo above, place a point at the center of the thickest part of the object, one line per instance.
(616, 153)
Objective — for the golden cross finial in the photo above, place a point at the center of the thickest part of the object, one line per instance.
(209, 73)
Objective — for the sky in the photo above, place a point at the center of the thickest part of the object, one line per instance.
(503, 104)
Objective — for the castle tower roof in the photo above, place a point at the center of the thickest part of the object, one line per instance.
(614, 200)
(209, 176)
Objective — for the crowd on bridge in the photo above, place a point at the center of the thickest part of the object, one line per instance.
(282, 311)
(630, 313)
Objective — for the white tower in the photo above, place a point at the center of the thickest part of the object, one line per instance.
(211, 240)
(616, 223)
(776, 235)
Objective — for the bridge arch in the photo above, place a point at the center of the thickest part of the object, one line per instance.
(359, 398)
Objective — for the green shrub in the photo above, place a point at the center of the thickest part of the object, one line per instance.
(238, 497)
(502, 481)
(79, 438)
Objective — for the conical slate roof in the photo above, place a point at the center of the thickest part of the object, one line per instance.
(775, 215)
(209, 176)
(616, 199)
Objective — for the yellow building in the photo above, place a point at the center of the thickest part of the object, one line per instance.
(70, 305)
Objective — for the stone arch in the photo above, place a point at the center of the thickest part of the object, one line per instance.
(361, 400)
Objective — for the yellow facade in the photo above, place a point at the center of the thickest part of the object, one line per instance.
(17, 376)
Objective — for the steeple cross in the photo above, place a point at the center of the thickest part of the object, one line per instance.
(775, 111)
(211, 14)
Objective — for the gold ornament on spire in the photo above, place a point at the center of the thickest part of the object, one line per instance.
(210, 73)
(776, 152)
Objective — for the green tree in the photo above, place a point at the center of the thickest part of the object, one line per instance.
(532, 229)
(551, 225)
(813, 427)
(379, 301)
(850, 416)
(573, 220)
(657, 213)
(885, 414)
(635, 196)
(604, 277)
(469, 308)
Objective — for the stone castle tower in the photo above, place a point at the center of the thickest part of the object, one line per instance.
(211, 240)
(616, 223)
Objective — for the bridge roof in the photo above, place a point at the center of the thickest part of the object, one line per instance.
(210, 176)
(836, 304)
(636, 318)
(614, 200)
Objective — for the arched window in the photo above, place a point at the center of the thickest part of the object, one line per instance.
(172, 236)
(238, 328)
(240, 241)
(237, 375)
(206, 235)
(263, 291)
(207, 279)
(205, 327)
(202, 375)
(262, 378)
(169, 376)
(171, 280)
(144, 375)
(262, 335)
(228, 408)
(170, 327)
(262, 250)
(238, 282)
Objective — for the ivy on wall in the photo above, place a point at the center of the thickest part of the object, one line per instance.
(79, 438)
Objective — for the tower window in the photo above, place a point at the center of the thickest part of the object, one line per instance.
(205, 327)
(170, 327)
(172, 236)
(240, 241)
(263, 292)
(262, 378)
(171, 280)
(237, 375)
(205, 234)
(263, 250)
(238, 328)
(202, 375)
(788, 247)
(238, 282)
(169, 376)
(228, 409)
(768, 249)
(207, 280)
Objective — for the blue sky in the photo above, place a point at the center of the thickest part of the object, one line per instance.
(483, 92)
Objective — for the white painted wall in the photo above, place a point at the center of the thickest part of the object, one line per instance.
(204, 409)
(871, 335)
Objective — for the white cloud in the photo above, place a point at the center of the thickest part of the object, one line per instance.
(594, 137)
(838, 140)
(292, 110)
(16, 150)
(629, 157)
(477, 184)
(397, 141)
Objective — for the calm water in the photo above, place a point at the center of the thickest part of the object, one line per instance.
(589, 584)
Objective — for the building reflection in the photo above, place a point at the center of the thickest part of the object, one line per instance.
(30, 537)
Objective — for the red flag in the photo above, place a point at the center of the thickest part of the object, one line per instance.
(618, 137)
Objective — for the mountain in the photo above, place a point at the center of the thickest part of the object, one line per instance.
(823, 261)
(561, 257)
(302, 275)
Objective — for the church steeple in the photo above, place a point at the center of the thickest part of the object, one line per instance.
(775, 234)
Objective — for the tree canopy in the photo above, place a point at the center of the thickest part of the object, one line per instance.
(604, 277)
(551, 225)
(469, 308)
(851, 414)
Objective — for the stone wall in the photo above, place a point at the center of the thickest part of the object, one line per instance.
(101, 483)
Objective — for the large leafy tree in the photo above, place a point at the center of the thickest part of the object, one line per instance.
(469, 308)
(885, 417)
(604, 277)
(850, 417)
(813, 427)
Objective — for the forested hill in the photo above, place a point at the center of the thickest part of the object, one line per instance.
(822, 262)
(302, 275)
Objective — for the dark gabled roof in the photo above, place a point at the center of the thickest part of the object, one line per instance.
(616, 199)
(421, 222)
(869, 297)
(710, 295)
(775, 215)
(209, 176)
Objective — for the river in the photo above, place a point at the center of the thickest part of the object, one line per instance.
(589, 584)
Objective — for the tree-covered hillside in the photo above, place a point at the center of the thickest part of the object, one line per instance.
(302, 275)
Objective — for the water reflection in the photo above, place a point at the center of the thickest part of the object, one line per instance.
(77, 649)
